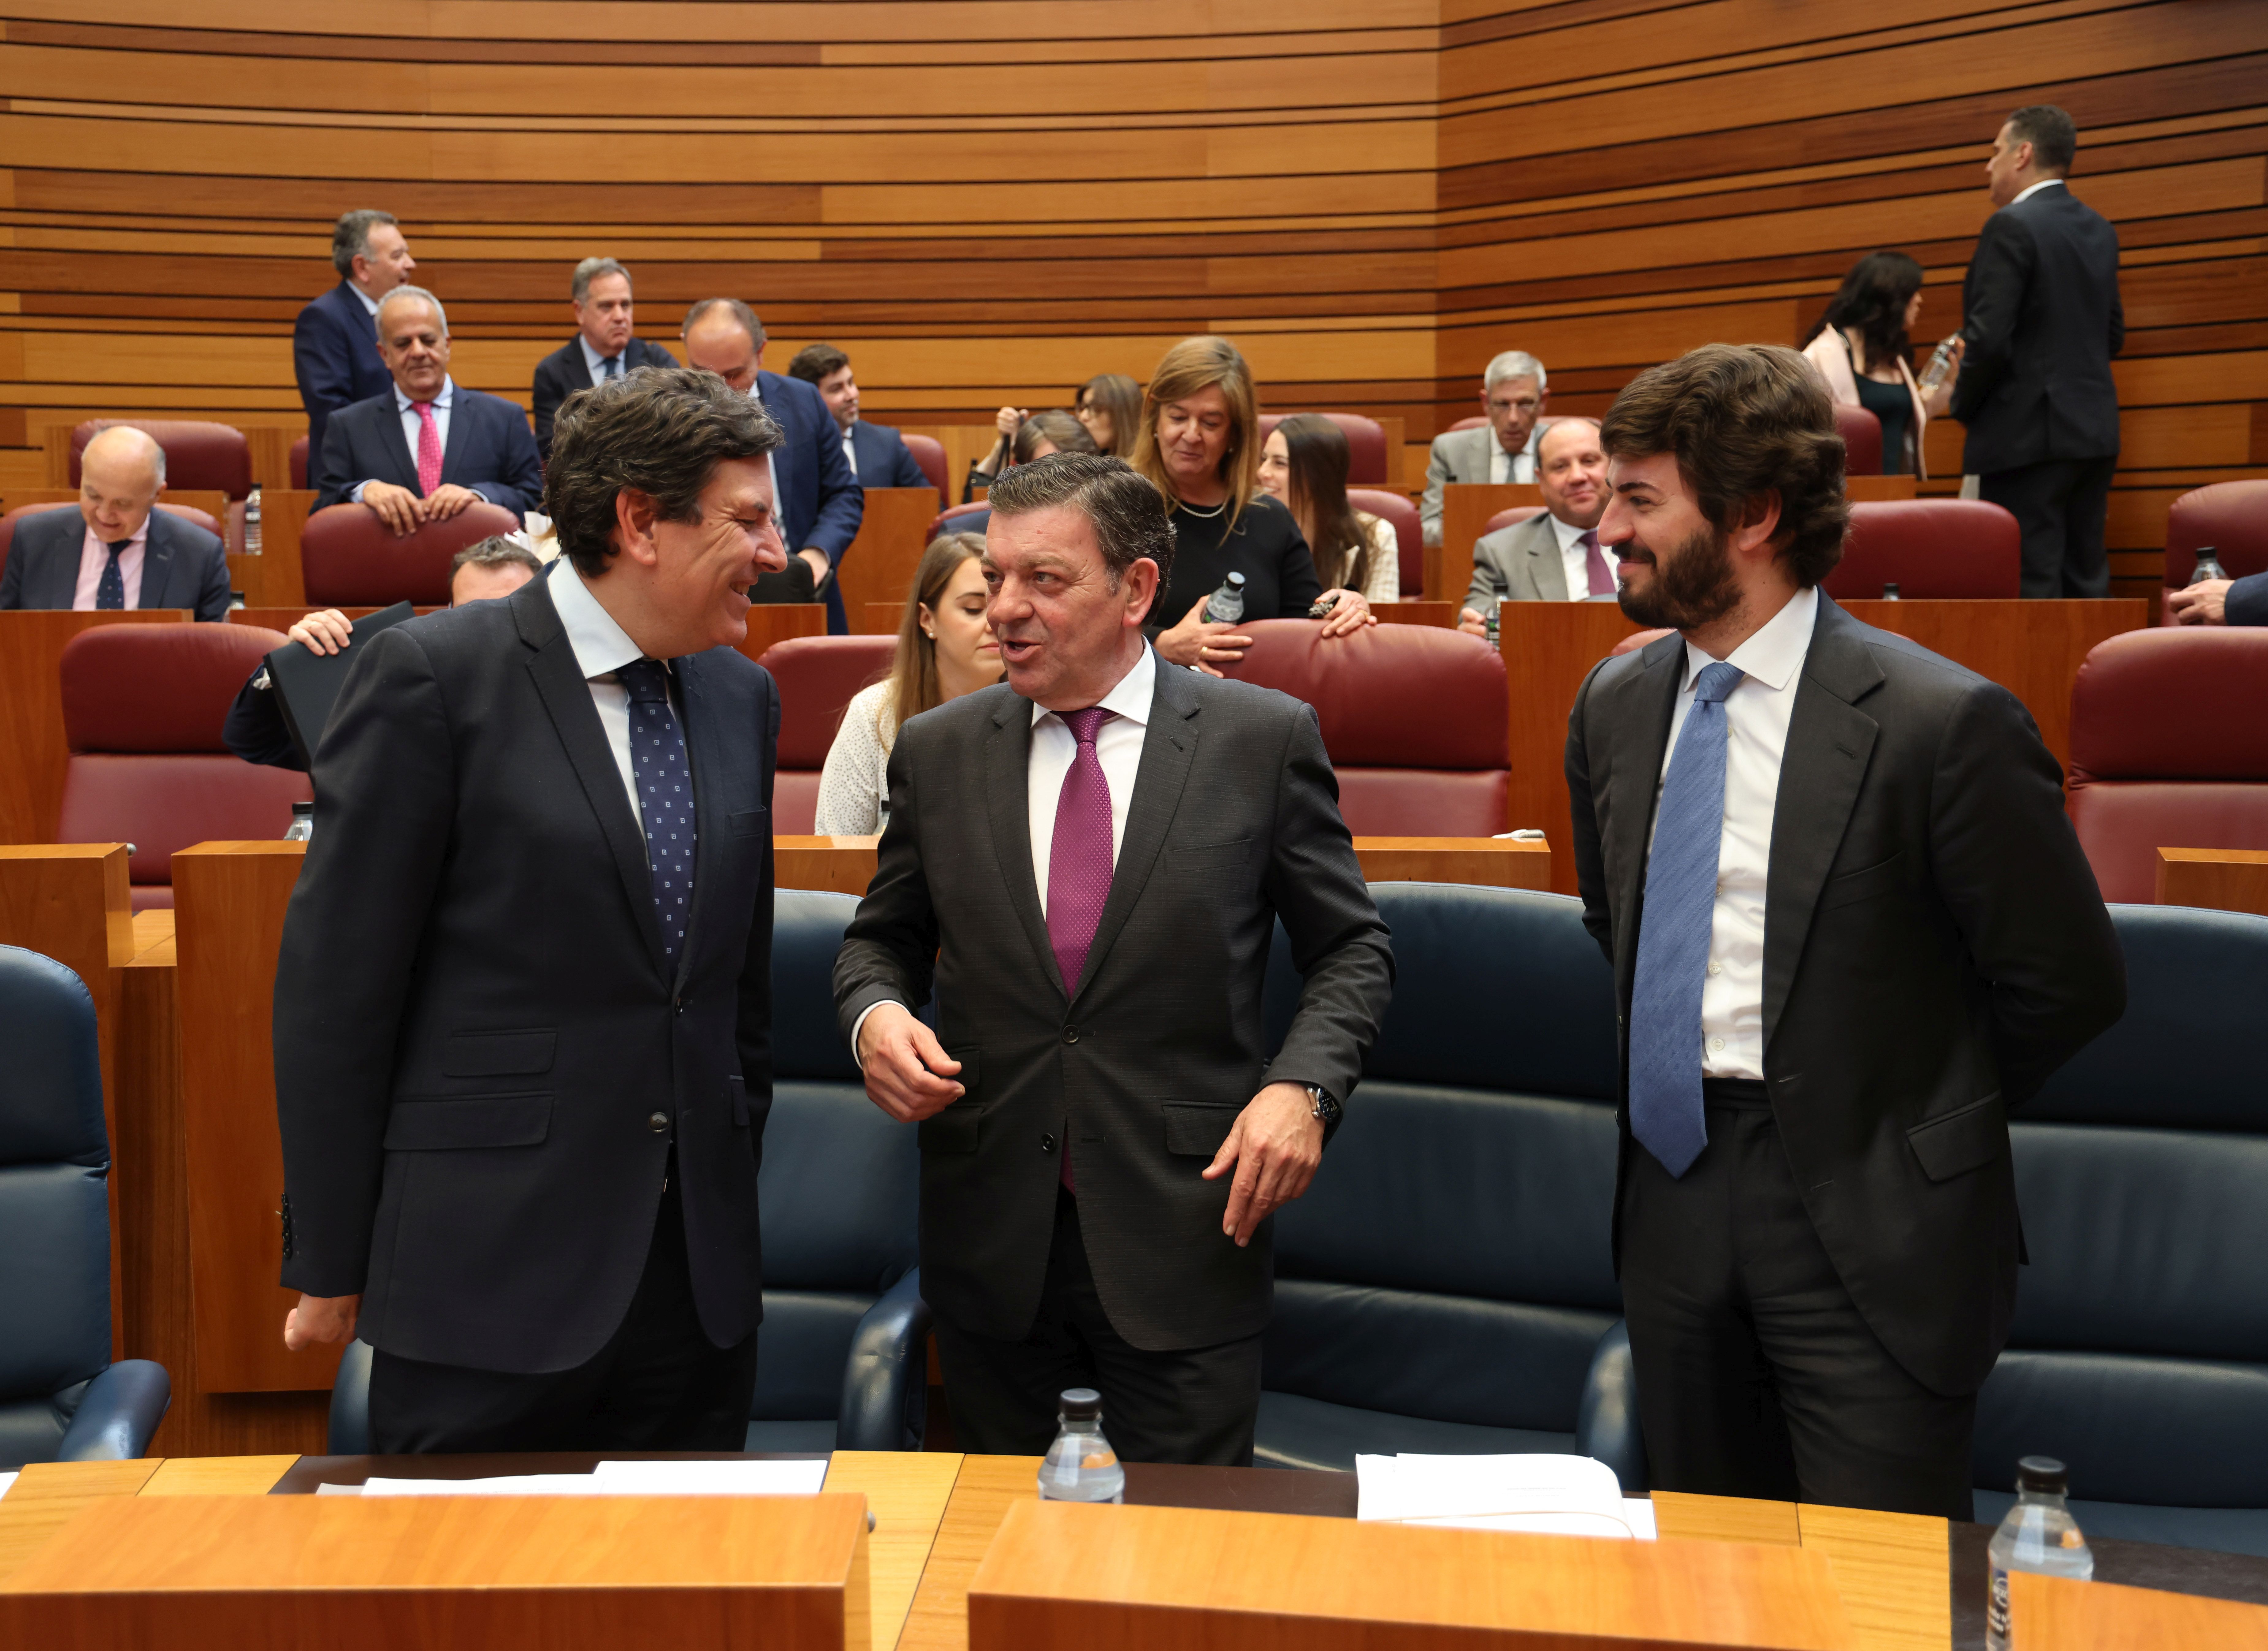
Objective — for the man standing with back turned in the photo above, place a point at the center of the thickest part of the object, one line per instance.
(1091, 858)
(523, 1009)
(1851, 929)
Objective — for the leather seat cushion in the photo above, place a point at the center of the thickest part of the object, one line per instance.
(1425, 801)
(1295, 1432)
(2122, 824)
(161, 804)
(31, 1428)
(803, 1339)
(2216, 1529)
(54, 1276)
(817, 677)
(2174, 1432)
(795, 802)
(807, 927)
(838, 1192)
(1931, 549)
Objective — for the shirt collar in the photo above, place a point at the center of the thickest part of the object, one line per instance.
(591, 356)
(1775, 653)
(601, 646)
(1567, 532)
(139, 538)
(2044, 183)
(403, 403)
(1129, 699)
(368, 303)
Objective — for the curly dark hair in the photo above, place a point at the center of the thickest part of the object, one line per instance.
(1744, 420)
(662, 432)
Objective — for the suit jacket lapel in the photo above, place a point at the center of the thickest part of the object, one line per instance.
(1169, 746)
(460, 419)
(1642, 712)
(1008, 782)
(711, 758)
(1549, 572)
(156, 562)
(397, 444)
(1829, 743)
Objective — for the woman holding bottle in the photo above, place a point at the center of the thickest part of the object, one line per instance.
(1863, 348)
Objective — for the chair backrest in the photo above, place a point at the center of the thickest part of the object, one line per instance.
(1517, 514)
(1452, 1260)
(959, 518)
(928, 453)
(186, 512)
(1414, 718)
(351, 558)
(1862, 440)
(1931, 549)
(817, 676)
(1409, 533)
(2232, 516)
(1472, 423)
(2139, 1350)
(1368, 461)
(143, 710)
(299, 463)
(199, 456)
(2168, 750)
(1635, 640)
(54, 1212)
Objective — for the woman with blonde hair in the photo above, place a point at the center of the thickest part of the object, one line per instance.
(1199, 444)
(945, 651)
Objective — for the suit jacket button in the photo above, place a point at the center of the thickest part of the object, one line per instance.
(1046, 1143)
(1071, 1034)
(657, 1122)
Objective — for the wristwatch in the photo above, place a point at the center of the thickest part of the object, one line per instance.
(1325, 1110)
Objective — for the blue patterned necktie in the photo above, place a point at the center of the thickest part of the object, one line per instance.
(1673, 939)
(110, 589)
(610, 367)
(665, 789)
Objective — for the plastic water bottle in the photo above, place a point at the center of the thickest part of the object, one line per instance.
(1081, 1466)
(1940, 363)
(303, 823)
(1226, 606)
(251, 522)
(2037, 1536)
(1889, 591)
(2208, 566)
(1495, 623)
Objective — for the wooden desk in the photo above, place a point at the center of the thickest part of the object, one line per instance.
(770, 622)
(877, 569)
(1441, 615)
(2224, 879)
(33, 751)
(2047, 1614)
(846, 864)
(1466, 508)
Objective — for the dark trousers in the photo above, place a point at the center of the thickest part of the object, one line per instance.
(1757, 1374)
(1197, 1405)
(2060, 506)
(658, 1384)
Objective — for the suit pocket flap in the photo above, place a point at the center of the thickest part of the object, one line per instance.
(1960, 1141)
(468, 1121)
(493, 1054)
(1195, 1129)
(953, 1130)
(753, 822)
(1882, 877)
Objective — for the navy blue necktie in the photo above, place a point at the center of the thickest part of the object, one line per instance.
(1673, 939)
(110, 590)
(609, 367)
(665, 789)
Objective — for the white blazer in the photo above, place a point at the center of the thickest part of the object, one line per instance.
(1830, 354)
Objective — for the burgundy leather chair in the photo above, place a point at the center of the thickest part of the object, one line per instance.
(2232, 516)
(1931, 549)
(817, 677)
(1366, 456)
(143, 710)
(186, 512)
(1635, 640)
(1472, 423)
(928, 453)
(199, 456)
(944, 520)
(1862, 440)
(1408, 533)
(1414, 718)
(299, 463)
(2168, 750)
(1503, 519)
(351, 558)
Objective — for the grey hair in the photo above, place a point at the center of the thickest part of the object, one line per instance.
(738, 311)
(1125, 509)
(406, 290)
(1513, 363)
(591, 268)
(155, 446)
(350, 238)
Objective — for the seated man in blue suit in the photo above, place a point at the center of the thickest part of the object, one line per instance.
(603, 348)
(428, 447)
(334, 343)
(878, 454)
(820, 503)
(117, 550)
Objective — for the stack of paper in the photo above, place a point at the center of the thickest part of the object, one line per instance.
(1558, 1496)
(619, 1478)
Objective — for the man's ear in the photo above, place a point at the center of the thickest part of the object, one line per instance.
(635, 516)
(1141, 581)
(1758, 522)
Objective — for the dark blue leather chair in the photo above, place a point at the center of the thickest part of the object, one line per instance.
(843, 1364)
(61, 1397)
(2140, 1351)
(1447, 1284)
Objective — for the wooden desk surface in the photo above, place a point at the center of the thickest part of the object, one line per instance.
(2047, 1614)
(2224, 879)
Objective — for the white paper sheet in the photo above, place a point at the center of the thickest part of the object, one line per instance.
(1566, 1495)
(6, 1479)
(624, 1478)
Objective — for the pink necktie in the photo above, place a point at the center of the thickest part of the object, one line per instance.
(1602, 577)
(428, 449)
(1078, 865)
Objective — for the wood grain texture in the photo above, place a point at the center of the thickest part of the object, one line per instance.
(878, 567)
(1890, 1570)
(775, 622)
(1690, 1518)
(2046, 1613)
(47, 1494)
(907, 1492)
(33, 751)
(218, 1476)
(982, 1492)
(842, 865)
(2223, 879)
(1491, 862)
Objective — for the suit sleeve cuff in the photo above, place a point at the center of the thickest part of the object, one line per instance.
(355, 496)
(859, 1025)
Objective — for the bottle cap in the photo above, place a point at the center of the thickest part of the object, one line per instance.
(1080, 1404)
(1235, 582)
(2043, 1474)
(301, 809)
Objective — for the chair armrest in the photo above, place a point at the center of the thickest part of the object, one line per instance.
(349, 1433)
(885, 1378)
(119, 1412)
(1606, 1426)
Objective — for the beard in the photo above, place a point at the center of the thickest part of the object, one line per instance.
(1692, 587)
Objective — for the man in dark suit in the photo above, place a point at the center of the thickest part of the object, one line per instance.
(428, 447)
(604, 348)
(523, 1008)
(878, 454)
(820, 503)
(117, 549)
(1090, 858)
(1851, 929)
(334, 342)
(2041, 315)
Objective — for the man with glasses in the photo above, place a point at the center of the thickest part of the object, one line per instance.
(1513, 394)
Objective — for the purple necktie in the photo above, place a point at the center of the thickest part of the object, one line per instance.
(1602, 577)
(1078, 865)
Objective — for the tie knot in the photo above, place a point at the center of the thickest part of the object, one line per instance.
(117, 546)
(1715, 682)
(1589, 540)
(1083, 725)
(646, 681)
(425, 411)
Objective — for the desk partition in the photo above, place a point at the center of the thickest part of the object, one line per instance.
(879, 567)
(846, 864)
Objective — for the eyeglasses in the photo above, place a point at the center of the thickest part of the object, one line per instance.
(1525, 404)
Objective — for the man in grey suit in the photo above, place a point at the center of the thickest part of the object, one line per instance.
(1513, 394)
(1557, 556)
(117, 549)
(1090, 859)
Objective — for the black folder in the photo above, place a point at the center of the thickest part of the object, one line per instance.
(306, 684)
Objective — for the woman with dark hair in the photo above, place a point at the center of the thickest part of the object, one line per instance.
(1110, 406)
(1863, 350)
(945, 649)
(1029, 436)
(1303, 463)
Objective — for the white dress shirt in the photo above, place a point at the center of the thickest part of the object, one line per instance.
(94, 556)
(850, 449)
(1576, 563)
(413, 428)
(1756, 716)
(591, 359)
(1505, 467)
(2044, 183)
(1117, 747)
(368, 303)
(603, 647)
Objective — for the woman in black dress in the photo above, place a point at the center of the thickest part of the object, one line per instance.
(1200, 443)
